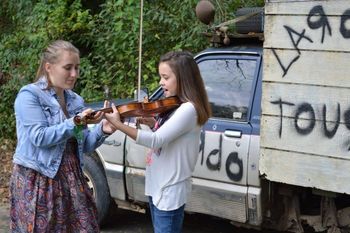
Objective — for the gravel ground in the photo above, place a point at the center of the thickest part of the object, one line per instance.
(4, 218)
(6, 153)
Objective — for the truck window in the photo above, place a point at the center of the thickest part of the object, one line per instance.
(229, 86)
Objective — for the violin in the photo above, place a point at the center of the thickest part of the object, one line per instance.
(143, 109)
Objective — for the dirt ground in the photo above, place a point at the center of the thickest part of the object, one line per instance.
(6, 153)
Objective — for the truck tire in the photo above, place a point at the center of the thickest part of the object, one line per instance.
(253, 23)
(97, 181)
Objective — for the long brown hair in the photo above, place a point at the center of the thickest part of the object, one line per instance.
(190, 86)
(52, 54)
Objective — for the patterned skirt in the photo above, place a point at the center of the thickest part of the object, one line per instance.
(61, 205)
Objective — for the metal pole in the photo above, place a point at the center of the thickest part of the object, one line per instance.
(140, 53)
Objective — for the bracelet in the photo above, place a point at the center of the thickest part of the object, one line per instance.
(78, 120)
(80, 124)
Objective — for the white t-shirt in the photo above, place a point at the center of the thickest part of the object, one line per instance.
(170, 163)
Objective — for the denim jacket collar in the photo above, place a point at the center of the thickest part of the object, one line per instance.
(43, 84)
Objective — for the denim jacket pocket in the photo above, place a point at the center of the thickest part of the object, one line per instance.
(52, 114)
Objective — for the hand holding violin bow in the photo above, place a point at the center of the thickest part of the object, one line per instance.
(149, 121)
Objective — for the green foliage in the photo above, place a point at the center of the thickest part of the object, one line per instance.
(35, 24)
(107, 34)
(114, 51)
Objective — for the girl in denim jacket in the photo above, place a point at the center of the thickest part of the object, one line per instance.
(48, 189)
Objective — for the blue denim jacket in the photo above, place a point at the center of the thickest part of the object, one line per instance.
(43, 129)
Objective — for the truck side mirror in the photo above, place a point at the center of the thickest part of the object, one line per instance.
(142, 95)
(107, 93)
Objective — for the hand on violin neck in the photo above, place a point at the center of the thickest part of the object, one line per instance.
(145, 99)
(93, 117)
(114, 117)
(107, 127)
(85, 117)
(149, 121)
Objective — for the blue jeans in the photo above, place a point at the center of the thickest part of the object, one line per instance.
(166, 221)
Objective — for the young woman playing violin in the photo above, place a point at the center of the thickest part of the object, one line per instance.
(174, 141)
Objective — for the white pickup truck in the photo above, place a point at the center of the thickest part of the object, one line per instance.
(276, 152)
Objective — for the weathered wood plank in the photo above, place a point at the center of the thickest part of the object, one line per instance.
(286, 134)
(305, 170)
(312, 67)
(294, 98)
(302, 7)
(294, 32)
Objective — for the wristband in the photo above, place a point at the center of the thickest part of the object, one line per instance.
(80, 124)
(78, 120)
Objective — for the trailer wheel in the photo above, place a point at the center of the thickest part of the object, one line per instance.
(97, 182)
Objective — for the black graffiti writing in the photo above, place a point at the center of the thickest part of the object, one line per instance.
(322, 22)
(215, 152)
(306, 108)
(347, 122)
(280, 103)
(316, 19)
(343, 30)
(231, 160)
(292, 33)
(330, 133)
(285, 69)
(347, 118)
(217, 165)
(295, 41)
(201, 145)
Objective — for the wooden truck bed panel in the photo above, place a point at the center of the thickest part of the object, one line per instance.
(305, 125)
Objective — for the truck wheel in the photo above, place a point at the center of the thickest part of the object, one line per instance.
(252, 24)
(97, 182)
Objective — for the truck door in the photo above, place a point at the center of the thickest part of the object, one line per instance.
(230, 83)
(220, 180)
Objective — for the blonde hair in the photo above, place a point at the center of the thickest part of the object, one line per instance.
(190, 85)
(52, 54)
